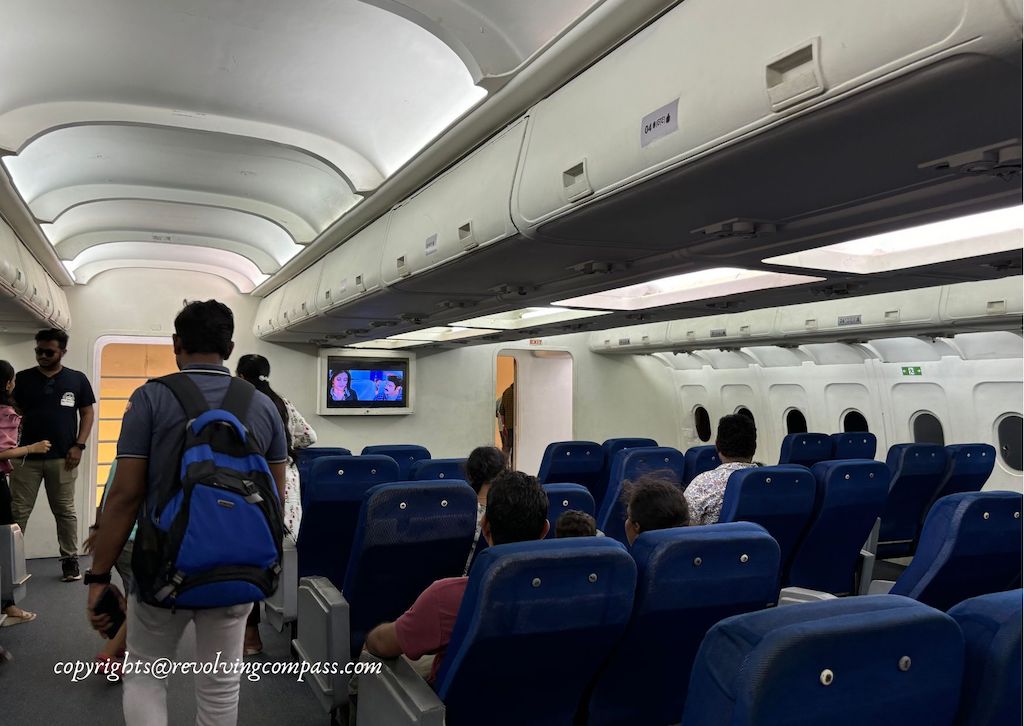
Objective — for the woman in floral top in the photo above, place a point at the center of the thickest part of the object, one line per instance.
(256, 370)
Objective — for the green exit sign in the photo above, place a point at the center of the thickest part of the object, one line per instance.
(912, 371)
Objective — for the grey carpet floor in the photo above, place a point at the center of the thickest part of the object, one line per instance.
(30, 693)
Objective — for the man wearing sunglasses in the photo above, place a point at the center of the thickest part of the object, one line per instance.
(57, 404)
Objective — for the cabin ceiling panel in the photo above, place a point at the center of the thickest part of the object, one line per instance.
(361, 87)
(142, 223)
(73, 165)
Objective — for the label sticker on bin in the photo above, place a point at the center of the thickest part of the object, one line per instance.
(660, 123)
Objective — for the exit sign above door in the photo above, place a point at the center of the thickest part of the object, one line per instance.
(912, 371)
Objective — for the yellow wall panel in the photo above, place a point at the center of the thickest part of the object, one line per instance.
(110, 430)
(112, 408)
(123, 359)
(107, 452)
(119, 387)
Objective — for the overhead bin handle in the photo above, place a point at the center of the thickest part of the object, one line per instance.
(467, 237)
(575, 181)
(795, 75)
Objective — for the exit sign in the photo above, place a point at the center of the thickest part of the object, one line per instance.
(536, 341)
(912, 371)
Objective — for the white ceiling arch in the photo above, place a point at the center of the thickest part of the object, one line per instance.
(234, 268)
(73, 165)
(147, 222)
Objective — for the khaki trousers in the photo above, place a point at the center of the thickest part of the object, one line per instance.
(60, 492)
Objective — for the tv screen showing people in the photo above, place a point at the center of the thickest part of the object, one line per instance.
(367, 383)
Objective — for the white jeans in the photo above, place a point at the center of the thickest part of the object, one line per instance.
(154, 634)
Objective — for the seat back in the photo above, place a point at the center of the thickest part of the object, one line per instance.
(916, 476)
(968, 467)
(562, 498)
(877, 659)
(991, 625)
(304, 459)
(688, 579)
(854, 445)
(405, 455)
(579, 462)
(970, 546)
(630, 464)
(805, 449)
(699, 459)
(334, 496)
(609, 449)
(537, 620)
(849, 497)
(779, 498)
(429, 469)
(409, 535)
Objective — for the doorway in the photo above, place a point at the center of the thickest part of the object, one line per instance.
(504, 406)
(541, 402)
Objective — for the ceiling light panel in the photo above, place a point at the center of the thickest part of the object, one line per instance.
(928, 244)
(442, 334)
(690, 287)
(529, 318)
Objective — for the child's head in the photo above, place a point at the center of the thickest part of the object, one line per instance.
(574, 523)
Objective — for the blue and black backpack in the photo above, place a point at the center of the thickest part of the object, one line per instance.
(212, 536)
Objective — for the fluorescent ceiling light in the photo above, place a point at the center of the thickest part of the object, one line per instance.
(690, 287)
(927, 244)
(528, 318)
(385, 344)
(442, 334)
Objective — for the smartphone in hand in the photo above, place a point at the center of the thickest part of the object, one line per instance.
(109, 605)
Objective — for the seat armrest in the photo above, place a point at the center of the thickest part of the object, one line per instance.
(880, 587)
(797, 595)
(397, 696)
(864, 572)
(281, 608)
(324, 637)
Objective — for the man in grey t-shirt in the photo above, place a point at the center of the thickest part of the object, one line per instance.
(148, 456)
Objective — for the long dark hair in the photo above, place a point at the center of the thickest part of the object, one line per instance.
(256, 369)
(6, 376)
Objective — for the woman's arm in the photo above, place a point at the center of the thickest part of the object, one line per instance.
(40, 447)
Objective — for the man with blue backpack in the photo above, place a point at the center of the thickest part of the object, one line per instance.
(201, 466)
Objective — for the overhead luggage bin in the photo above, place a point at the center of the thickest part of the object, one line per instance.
(13, 275)
(300, 301)
(352, 272)
(975, 303)
(731, 130)
(37, 295)
(266, 314)
(897, 311)
(635, 337)
(743, 329)
(464, 210)
(61, 314)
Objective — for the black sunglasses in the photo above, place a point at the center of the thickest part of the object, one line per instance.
(46, 352)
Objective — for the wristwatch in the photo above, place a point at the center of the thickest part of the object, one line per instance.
(80, 446)
(93, 578)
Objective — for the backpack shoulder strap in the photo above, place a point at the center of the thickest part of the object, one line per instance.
(187, 393)
(238, 399)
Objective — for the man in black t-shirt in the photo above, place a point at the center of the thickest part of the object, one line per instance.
(57, 405)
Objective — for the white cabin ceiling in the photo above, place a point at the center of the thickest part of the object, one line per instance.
(149, 129)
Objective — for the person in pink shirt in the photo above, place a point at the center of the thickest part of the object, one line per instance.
(517, 511)
(10, 429)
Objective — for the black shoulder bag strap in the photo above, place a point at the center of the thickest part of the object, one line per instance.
(238, 399)
(187, 393)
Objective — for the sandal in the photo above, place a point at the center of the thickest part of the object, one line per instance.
(24, 616)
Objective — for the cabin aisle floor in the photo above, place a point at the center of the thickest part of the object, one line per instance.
(31, 693)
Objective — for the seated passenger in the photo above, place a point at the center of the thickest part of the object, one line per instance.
(736, 443)
(574, 523)
(654, 501)
(517, 511)
(484, 463)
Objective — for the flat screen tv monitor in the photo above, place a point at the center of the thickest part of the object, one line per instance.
(356, 382)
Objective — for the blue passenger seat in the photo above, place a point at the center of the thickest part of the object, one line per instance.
(970, 546)
(779, 498)
(405, 455)
(537, 621)
(916, 475)
(805, 449)
(334, 496)
(856, 661)
(968, 467)
(609, 449)
(630, 464)
(991, 625)
(849, 497)
(689, 579)
(562, 498)
(427, 469)
(304, 459)
(854, 445)
(699, 459)
(409, 534)
(579, 462)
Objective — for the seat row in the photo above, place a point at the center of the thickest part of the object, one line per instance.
(586, 624)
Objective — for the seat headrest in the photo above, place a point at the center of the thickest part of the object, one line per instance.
(805, 448)
(331, 476)
(854, 445)
(916, 459)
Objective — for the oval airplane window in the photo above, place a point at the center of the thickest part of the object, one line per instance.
(854, 423)
(702, 422)
(1011, 431)
(928, 429)
(796, 423)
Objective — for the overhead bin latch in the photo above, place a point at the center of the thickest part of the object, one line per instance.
(795, 75)
(1002, 160)
(736, 228)
(457, 304)
(576, 182)
(596, 267)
